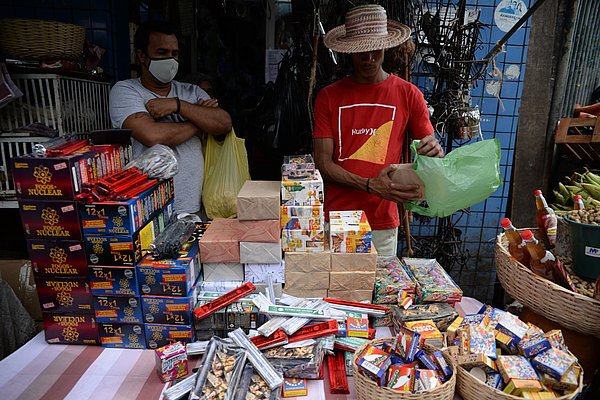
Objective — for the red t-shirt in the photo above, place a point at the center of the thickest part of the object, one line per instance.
(367, 124)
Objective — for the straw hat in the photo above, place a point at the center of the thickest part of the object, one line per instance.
(366, 29)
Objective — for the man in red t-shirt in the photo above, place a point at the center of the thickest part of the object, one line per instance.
(360, 125)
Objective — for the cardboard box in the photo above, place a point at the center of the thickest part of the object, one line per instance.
(359, 262)
(125, 217)
(57, 258)
(256, 273)
(308, 262)
(65, 295)
(258, 200)
(260, 253)
(61, 178)
(349, 232)
(113, 281)
(303, 192)
(309, 294)
(124, 250)
(168, 310)
(160, 335)
(298, 240)
(302, 217)
(216, 272)
(122, 336)
(118, 309)
(303, 281)
(171, 362)
(171, 277)
(351, 295)
(50, 219)
(342, 281)
(70, 329)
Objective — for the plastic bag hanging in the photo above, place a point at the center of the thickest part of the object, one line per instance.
(466, 176)
(158, 162)
(225, 171)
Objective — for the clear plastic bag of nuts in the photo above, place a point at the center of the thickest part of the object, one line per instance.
(299, 359)
(253, 387)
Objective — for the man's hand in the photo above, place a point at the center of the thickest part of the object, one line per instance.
(209, 103)
(430, 147)
(384, 187)
(158, 108)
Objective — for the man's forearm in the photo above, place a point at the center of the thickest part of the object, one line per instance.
(334, 173)
(149, 132)
(211, 120)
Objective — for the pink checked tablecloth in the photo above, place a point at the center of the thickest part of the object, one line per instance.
(39, 370)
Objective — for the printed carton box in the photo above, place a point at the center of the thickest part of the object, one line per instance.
(120, 309)
(70, 329)
(168, 310)
(113, 280)
(57, 258)
(125, 217)
(50, 219)
(173, 277)
(122, 336)
(65, 295)
(158, 335)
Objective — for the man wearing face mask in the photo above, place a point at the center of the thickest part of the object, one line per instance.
(160, 110)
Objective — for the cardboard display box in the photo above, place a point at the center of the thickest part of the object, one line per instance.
(71, 329)
(50, 219)
(57, 257)
(65, 295)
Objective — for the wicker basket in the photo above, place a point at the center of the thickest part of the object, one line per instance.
(366, 389)
(471, 388)
(36, 39)
(571, 310)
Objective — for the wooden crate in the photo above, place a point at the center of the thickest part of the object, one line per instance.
(580, 142)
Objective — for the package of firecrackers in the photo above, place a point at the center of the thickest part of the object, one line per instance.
(442, 314)
(429, 332)
(299, 359)
(294, 387)
(171, 362)
(222, 367)
(407, 343)
(390, 278)
(385, 365)
(297, 166)
(433, 282)
(529, 363)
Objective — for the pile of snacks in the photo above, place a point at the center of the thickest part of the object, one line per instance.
(515, 357)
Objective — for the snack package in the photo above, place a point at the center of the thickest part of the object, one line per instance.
(433, 282)
(298, 360)
(554, 362)
(222, 368)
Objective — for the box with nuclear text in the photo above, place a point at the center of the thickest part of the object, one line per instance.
(65, 295)
(70, 329)
(57, 257)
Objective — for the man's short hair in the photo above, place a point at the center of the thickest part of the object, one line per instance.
(142, 34)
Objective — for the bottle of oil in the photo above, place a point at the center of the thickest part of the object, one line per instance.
(516, 246)
(545, 218)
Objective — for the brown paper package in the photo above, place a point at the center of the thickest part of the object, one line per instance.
(258, 200)
(346, 262)
(303, 280)
(352, 280)
(307, 262)
(351, 295)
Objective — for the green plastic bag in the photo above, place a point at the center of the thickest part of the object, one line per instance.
(466, 176)
(225, 171)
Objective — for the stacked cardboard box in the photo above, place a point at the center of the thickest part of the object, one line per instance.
(117, 235)
(168, 294)
(46, 188)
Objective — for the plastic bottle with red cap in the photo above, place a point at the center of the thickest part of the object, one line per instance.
(545, 218)
(578, 202)
(544, 263)
(516, 246)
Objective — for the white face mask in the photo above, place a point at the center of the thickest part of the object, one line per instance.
(163, 69)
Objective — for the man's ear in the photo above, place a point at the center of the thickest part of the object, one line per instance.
(140, 57)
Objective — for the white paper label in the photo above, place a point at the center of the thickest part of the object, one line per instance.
(592, 251)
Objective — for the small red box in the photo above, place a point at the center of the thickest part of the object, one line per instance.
(50, 219)
(57, 258)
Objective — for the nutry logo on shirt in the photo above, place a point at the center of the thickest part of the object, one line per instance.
(364, 131)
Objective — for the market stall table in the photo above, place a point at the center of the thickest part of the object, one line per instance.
(39, 370)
